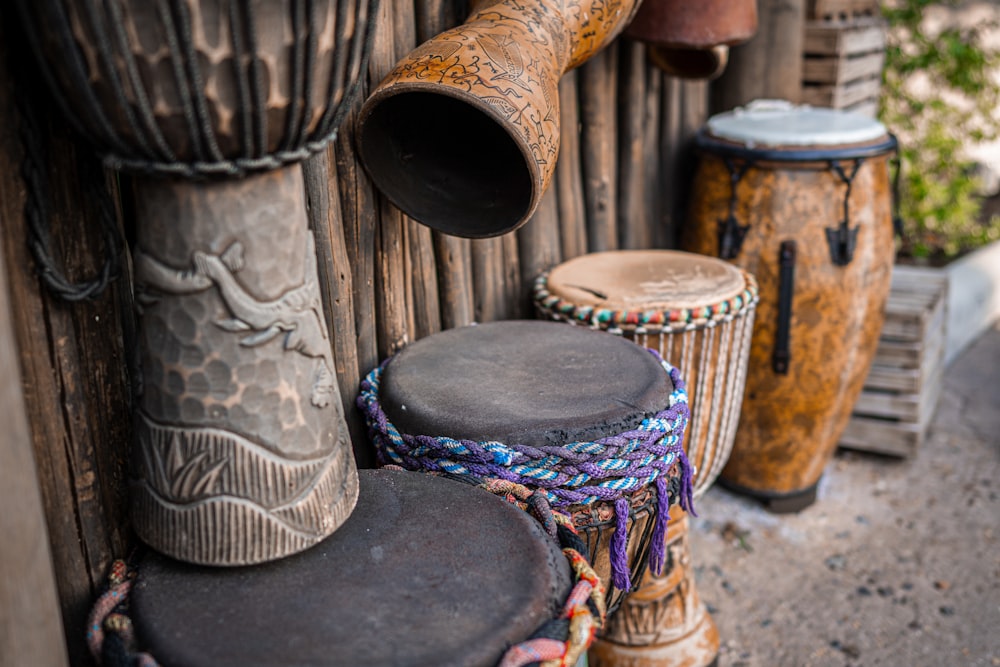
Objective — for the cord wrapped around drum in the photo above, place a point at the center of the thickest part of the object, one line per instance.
(577, 474)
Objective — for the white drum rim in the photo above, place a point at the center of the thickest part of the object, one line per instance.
(780, 123)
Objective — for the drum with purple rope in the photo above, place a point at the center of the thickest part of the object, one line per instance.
(592, 421)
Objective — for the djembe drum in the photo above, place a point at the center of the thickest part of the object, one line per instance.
(242, 449)
(698, 312)
(591, 421)
(413, 577)
(800, 197)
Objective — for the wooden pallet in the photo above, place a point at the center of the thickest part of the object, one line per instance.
(904, 382)
(842, 64)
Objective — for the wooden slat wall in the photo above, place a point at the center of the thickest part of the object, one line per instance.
(619, 183)
(386, 280)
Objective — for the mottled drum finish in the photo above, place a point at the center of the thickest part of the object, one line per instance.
(463, 134)
(791, 422)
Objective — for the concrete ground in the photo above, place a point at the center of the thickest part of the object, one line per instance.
(897, 563)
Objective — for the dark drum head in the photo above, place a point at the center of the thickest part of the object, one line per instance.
(523, 382)
(426, 571)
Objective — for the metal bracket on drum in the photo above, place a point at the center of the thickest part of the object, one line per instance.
(731, 232)
(843, 239)
(781, 357)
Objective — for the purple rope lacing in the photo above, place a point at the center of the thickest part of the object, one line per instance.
(574, 474)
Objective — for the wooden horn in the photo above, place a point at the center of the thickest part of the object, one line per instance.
(463, 134)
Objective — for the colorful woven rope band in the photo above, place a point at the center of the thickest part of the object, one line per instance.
(652, 320)
(574, 474)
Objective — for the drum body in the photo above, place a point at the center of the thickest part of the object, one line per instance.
(242, 451)
(409, 579)
(800, 198)
(696, 311)
(592, 422)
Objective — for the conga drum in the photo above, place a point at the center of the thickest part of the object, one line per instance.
(698, 313)
(242, 452)
(800, 197)
(592, 421)
(413, 577)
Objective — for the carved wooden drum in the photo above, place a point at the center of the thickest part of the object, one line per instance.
(242, 449)
(696, 311)
(590, 421)
(800, 197)
(413, 577)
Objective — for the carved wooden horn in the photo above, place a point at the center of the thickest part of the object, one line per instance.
(691, 40)
(463, 134)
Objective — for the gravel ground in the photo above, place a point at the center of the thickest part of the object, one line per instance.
(897, 563)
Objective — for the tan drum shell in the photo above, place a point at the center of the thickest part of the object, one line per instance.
(711, 356)
(791, 423)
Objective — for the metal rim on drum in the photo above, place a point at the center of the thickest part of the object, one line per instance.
(708, 450)
(131, 94)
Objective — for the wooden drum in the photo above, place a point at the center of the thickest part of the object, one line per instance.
(242, 452)
(590, 422)
(800, 197)
(696, 311)
(413, 577)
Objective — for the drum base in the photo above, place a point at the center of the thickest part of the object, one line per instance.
(663, 623)
(777, 503)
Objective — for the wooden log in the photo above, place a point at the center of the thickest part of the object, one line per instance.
(393, 318)
(770, 64)
(539, 247)
(670, 163)
(634, 211)
(514, 303)
(72, 356)
(654, 180)
(359, 214)
(422, 270)
(569, 179)
(597, 94)
(334, 269)
(31, 631)
(488, 279)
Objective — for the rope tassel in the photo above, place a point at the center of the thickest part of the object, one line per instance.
(619, 543)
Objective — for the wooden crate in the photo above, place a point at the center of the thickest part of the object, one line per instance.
(830, 10)
(904, 382)
(842, 64)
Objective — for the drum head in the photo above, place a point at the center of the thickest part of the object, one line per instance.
(645, 280)
(780, 123)
(426, 571)
(523, 382)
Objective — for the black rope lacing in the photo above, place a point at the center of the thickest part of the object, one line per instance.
(38, 215)
(132, 141)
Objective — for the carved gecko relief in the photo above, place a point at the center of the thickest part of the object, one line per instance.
(298, 313)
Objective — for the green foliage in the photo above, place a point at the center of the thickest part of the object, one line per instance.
(939, 97)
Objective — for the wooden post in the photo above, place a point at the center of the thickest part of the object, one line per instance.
(487, 279)
(569, 179)
(770, 64)
(538, 243)
(391, 293)
(334, 269)
(671, 141)
(638, 111)
(72, 355)
(31, 631)
(597, 116)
